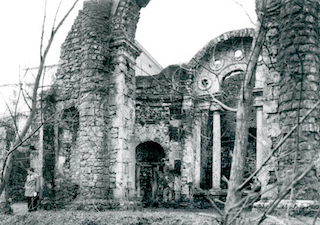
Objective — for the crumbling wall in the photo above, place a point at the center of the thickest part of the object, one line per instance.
(96, 80)
(158, 119)
(81, 91)
(292, 86)
(298, 63)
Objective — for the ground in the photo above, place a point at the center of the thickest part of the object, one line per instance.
(130, 217)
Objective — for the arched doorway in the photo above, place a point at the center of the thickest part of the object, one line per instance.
(149, 157)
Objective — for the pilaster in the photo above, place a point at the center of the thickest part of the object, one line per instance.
(187, 169)
(121, 117)
(216, 151)
(197, 148)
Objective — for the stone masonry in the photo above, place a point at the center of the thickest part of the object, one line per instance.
(111, 135)
(292, 87)
(102, 113)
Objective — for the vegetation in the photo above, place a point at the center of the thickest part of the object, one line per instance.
(108, 217)
(235, 205)
(135, 217)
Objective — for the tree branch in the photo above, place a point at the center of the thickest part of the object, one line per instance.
(276, 148)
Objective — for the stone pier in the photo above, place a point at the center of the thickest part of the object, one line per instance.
(197, 147)
(216, 151)
(187, 169)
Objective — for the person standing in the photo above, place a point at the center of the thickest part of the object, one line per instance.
(32, 187)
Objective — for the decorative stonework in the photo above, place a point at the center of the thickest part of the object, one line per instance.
(98, 113)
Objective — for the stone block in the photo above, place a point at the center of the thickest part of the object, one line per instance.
(285, 106)
(268, 93)
(114, 132)
(305, 146)
(100, 185)
(311, 86)
(308, 104)
(308, 127)
(274, 130)
(3, 133)
(98, 164)
(270, 106)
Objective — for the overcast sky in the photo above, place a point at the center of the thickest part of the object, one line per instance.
(172, 31)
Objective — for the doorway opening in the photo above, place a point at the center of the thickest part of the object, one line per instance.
(149, 158)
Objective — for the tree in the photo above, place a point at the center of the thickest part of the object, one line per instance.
(296, 62)
(21, 136)
(244, 105)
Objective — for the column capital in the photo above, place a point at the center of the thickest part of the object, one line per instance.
(123, 41)
(258, 97)
(216, 111)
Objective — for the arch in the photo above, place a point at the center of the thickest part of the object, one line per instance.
(207, 51)
(230, 69)
(157, 133)
(150, 152)
(142, 3)
(124, 21)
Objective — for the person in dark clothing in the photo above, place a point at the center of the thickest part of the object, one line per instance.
(32, 187)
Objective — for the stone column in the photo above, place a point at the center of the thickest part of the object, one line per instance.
(40, 157)
(259, 150)
(216, 151)
(187, 164)
(197, 149)
(262, 150)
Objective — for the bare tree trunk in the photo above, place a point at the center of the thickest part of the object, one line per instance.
(8, 162)
(244, 107)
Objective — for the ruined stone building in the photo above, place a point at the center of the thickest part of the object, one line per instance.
(122, 136)
(115, 134)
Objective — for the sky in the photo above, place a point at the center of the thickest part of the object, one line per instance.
(172, 31)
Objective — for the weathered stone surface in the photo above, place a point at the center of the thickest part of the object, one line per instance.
(296, 61)
(105, 115)
(270, 106)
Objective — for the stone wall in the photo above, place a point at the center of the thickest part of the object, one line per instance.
(299, 86)
(80, 103)
(159, 104)
(102, 112)
(96, 79)
(292, 85)
(98, 112)
(93, 103)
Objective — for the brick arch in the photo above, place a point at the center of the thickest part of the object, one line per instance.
(207, 51)
(152, 132)
(126, 16)
(149, 151)
(142, 3)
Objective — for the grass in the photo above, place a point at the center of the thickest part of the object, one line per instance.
(143, 217)
(131, 217)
